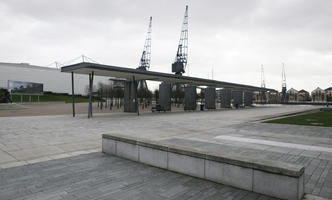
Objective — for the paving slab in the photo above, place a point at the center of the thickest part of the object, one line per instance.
(64, 135)
(5, 157)
(97, 176)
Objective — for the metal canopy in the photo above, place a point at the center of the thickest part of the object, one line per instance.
(129, 73)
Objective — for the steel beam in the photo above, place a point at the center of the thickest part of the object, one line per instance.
(72, 93)
(90, 94)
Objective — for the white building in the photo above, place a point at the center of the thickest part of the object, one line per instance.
(318, 94)
(52, 79)
(328, 93)
(292, 94)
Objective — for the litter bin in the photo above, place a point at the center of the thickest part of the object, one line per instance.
(202, 107)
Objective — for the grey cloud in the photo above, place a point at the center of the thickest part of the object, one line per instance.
(233, 37)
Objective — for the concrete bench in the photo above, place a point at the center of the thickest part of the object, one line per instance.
(275, 179)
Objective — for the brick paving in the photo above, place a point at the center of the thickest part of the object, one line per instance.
(318, 172)
(97, 176)
(26, 140)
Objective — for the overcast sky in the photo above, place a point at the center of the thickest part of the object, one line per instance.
(231, 37)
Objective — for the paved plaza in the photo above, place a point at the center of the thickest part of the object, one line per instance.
(35, 142)
(98, 176)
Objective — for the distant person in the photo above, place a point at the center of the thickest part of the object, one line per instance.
(8, 96)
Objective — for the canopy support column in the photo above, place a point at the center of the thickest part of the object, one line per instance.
(135, 85)
(90, 94)
(72, 93)
(130, 96)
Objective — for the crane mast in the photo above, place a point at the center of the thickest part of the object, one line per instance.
(283, 85)
(262, 77)
(263, 93)
(181, 57)
(144, 63)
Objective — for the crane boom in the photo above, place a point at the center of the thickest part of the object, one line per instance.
(146, 54)
(262, 77)
(283, 85)
(283, 76)
(144, 63)
(181, 57)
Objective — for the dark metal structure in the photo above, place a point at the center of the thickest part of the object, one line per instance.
(130, 96)
(237, 96)
(144, 63)
(225, 98)
(91, 75)
(190, 95)
(262, 93)
(133, 75)
(180, 63)
(248, 98)
(165, 92)
(129, 73)
(283, 85)
(210, 98)
(72, 93)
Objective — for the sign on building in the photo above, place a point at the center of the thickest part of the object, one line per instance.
(28, 88)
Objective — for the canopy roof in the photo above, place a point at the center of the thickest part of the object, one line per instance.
(137, 74)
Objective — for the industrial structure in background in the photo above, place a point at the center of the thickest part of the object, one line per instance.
(179, 65)
(181, 58)
(145, 60)
(263, 85)
(174, 88)
(284, 98)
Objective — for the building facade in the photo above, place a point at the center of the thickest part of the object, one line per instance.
(318, 95)
(328, 92)
(53, 79)
(292, 95)
(303, 96)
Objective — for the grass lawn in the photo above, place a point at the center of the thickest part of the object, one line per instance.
(322, 118)
(50, 97)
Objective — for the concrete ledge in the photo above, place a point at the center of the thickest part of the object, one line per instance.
(127, 150)
(326, 109)
(154, 157)
(312, 197)
(186, 164)
(276, 185)
(234, 175)
(152, 145)
(275, 179)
